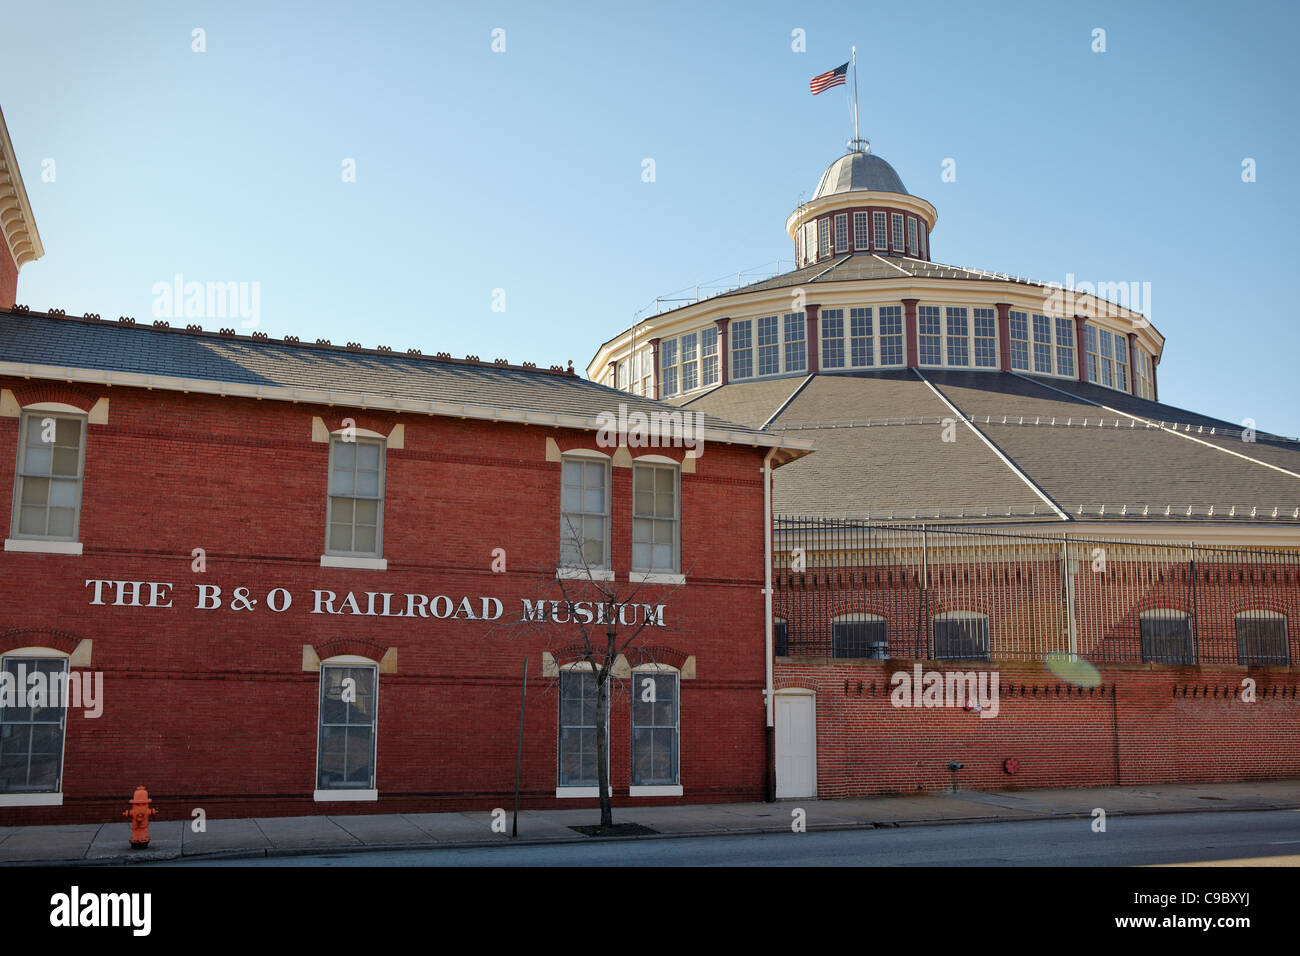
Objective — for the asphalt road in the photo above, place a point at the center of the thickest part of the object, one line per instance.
(1269, 838)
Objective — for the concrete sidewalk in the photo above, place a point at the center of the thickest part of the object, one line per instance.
(87, 844)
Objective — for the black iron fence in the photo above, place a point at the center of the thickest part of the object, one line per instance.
(846, 588)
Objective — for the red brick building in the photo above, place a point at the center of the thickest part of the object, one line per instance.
(286, 577)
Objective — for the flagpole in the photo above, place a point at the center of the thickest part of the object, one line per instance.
(856, 137)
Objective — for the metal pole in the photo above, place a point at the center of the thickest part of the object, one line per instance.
(856, 137)
(519, 753)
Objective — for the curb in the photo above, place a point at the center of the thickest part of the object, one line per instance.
(275, 852)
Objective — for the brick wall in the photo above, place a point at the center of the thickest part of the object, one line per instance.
(1143, 724)
(212, 708)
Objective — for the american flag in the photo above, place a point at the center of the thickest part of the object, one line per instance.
(836, 77)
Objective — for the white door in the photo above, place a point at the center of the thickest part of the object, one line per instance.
(796, 746)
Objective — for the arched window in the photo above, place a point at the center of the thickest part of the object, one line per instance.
(33, 722)
(655, 731)
(345, 762)
(1262, 639)
(1166, 637)
(961, 635)
(860, 635)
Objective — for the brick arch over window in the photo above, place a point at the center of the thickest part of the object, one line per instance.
(34, 393)
(15, 637)
(655, 654)
(357, 646)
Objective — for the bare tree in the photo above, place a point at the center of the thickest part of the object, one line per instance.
(596, 606)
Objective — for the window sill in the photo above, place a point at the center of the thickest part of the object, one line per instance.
(31, 799)
(348, 561)
(340, 796)
(674, 790)
(578, 792)
(37, 546)
(656, 577)
(583, 574)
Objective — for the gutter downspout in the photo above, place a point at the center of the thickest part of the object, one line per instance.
(768, 690)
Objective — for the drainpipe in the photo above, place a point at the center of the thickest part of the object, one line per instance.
(768, 690)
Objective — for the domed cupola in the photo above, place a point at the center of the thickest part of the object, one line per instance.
(859, 170)
(861, 207)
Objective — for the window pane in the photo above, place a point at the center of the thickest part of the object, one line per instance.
(67, 432)
(38, 459)
(368, 456)
(34, 491)
(66, 461)
(61, 521)
(31, 520)
(345, 454)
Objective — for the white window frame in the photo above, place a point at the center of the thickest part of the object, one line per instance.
(825, 338)
(861, 231)
(347, 794)
(46, 543)
(911, 236)
(879, 230)
(604, 570)
(1122, 370)
(1066, 342)
(925, 252)
(976, 339)
(794, 342)
(709, 370)
(896, 231)
(365, 560)
(741, 330)
(841, 232)
(1027, 342)
(673, 789)
(895, 312)
(824, 237)
(40, 798)
(669, 384)
(926, 340)
(810, 250)
(657, 464)
(570, 791)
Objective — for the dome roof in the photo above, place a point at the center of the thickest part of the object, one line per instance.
(859, 170)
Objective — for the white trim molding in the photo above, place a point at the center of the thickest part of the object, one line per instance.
(584, 574)
(31, 799)
(565, 793)
(663, 791)
(40, 546)
(361, 564)
(16, 219)
(656, 577)
(344, 796)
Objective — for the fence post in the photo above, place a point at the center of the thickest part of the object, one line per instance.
(1196, 630)
(1071, 632)
(925, 592)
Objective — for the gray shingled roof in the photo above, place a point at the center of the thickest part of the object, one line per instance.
(878, 444)
(39, 339)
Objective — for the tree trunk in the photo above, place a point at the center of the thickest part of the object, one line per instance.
(602, 751)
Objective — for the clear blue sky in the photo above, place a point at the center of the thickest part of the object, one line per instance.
(522, 171)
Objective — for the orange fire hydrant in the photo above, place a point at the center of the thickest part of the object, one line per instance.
(139, 813)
